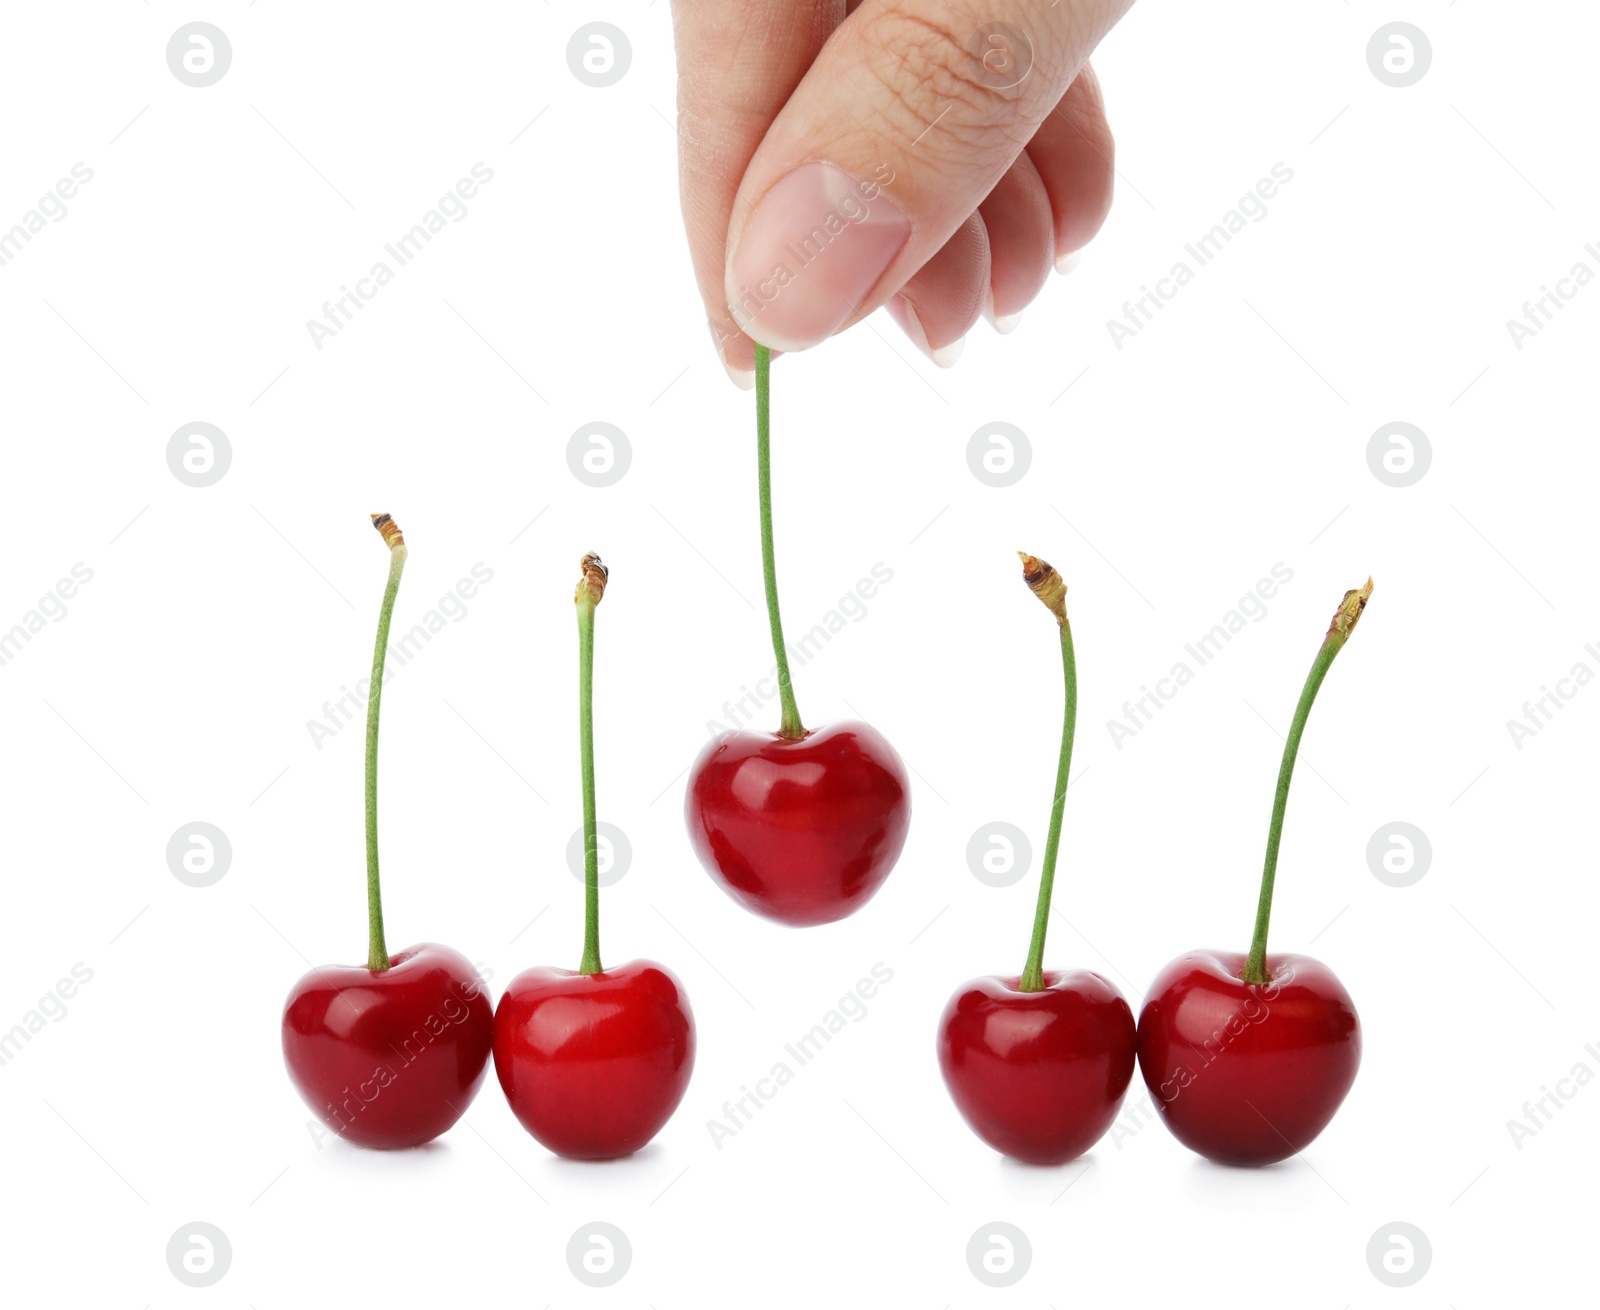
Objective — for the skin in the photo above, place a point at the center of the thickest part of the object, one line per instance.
(999, 182)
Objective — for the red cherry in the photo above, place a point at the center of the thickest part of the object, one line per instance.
(1038, 1075)
(803, 830)
(1248, 1056)
(594, 1064)
(1038, 1063)
(801, 826)
(392, 1058)
(391, 1054)
(1248, 1073)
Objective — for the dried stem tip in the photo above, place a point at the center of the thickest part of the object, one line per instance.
(392, 536)
(1046, 584)
(592, 586)
(1349, 611)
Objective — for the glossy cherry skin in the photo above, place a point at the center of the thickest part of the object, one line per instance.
(803, 830)
(593, 1065)
(1247, 1074)
(1039, 1076)
(390, 1059)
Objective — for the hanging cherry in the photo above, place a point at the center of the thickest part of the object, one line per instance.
(800, 825)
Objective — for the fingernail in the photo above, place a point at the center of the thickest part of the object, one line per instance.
(744, 379)
(816, 245)
(905, 314)
(1069, 261)
(1001, 323)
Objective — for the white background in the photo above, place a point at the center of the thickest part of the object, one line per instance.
(1167, 477)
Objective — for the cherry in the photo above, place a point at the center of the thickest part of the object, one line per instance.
(800, 826)
(390, 1054)
(390, 1057)
(1248, 1057)
(1038, 1074)
(593, 1062)
(1038, 1063)
(803, 830)
(1248, 1073)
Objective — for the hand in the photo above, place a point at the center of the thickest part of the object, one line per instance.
(934, 156)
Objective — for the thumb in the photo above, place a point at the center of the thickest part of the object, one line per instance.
(910, 115)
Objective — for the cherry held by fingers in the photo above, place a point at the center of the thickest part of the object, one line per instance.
(389, 1054)
(593, 1062)
(801, 829)
(799, 825)
(1248, 1057)
(1038, 1063)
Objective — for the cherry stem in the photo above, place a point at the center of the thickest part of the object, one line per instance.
(1344, 623)
(791, 725)
(377, 951)
(1047, 585)
(591, 588)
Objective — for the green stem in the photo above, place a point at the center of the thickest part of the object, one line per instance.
(791, 725)
(1045, 583)
(1344, 622)
(1033, 974)
(377, 951)
(588, 596)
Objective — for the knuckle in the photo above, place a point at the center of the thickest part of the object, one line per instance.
(929, 70)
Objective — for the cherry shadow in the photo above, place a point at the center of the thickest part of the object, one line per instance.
(644, 1160)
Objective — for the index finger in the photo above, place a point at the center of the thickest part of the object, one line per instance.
(738, 62)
